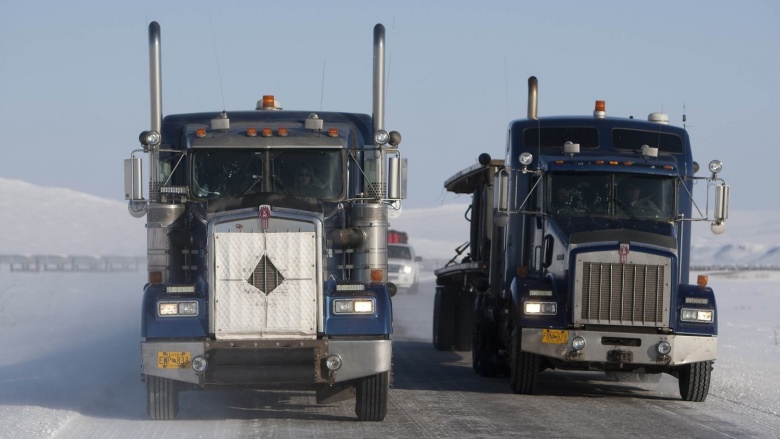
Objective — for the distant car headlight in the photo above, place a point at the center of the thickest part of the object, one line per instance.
(543, 308)
(697, 315)
(407, 269)
(353, 306)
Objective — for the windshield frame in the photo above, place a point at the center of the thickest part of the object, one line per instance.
(606, 194)
(217, 173)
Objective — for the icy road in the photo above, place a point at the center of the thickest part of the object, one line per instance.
(70, 369)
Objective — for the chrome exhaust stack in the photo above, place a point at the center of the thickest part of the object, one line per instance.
(533, 98)
(155, 94)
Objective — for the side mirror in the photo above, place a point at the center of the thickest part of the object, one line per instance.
(396, 176)
(549, 243)
(721, 209)
(133, 179)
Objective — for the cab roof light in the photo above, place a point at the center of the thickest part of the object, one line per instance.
(599, 162)
(668, 167)
(377, 275)
(268, 103)
(267, 132)
(601, 110)
(200, 132)
(628, 163)
(281, 132)
(333, 132)
(614, 162)
(558, 162)
(702, 280)
(251, 132)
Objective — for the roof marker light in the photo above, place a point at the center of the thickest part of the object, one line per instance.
(282, 132)
(268, 103)
(333, 132)
(601, 110)
(251, 132)
(267, 132)
(200, 132)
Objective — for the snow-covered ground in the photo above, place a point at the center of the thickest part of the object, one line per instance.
(70, 340)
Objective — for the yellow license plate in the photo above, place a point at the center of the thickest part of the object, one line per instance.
(555, 336)
(173, 360)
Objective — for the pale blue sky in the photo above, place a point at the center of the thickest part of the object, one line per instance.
(74, 88)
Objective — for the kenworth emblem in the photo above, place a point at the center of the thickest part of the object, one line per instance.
(623, 253)
(264, 212)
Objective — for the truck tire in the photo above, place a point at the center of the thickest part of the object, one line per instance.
(371, 397)
(464, 330)
(443, 321)
(694, 380)
(524, 367)
(162, 398)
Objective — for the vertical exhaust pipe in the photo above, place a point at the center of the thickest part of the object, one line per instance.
(379, 77)
(375, 166)
(533, 98)
(155, 93)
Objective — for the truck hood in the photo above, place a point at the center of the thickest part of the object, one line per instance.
(574, 230)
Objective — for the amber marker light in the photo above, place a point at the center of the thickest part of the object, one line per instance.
(155, 277)
(269, 101)
(200, 132)
(702, 280)
(377, 275)
(251, 132)
(333, 132)
(281, 132)
(267, 132)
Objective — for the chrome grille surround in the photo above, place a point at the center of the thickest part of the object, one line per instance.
(634, 293)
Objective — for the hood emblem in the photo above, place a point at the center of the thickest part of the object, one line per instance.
(623, 253)
(264, 212)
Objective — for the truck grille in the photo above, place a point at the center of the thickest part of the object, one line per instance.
(265, 285)
(630, 294)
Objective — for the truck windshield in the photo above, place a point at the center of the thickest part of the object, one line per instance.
(612, 195)
(219, 173)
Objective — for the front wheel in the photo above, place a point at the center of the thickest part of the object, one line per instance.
(524, 367)
(371, 397)
(694, 380)
(162, 398)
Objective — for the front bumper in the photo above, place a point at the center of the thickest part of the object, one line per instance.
(620, 347)
(269, 363)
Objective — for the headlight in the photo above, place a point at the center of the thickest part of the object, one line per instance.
(353, 306)
(407, 269)
(697, 315)
(546, 308)
(172, 309)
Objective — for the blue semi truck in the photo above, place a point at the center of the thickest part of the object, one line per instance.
(267, 248)
(579, 254)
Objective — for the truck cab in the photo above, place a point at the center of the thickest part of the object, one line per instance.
(267, 249)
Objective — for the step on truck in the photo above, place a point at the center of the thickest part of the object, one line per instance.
(267, 249)
(579, 254)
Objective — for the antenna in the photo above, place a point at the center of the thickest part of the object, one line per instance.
(216, 56)
(685, 118)
(322, 87)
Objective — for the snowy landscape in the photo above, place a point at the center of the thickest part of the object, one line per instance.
(70, 340)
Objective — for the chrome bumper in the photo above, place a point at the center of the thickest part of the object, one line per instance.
(359, 358)
(685, 349)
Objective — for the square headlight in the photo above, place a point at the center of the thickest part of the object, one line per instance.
(697, 315)
(353, 306)
(542, 308)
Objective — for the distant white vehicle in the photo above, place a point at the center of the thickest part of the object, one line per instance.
(403, 267)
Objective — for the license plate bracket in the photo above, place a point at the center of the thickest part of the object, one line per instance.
(619, 356)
